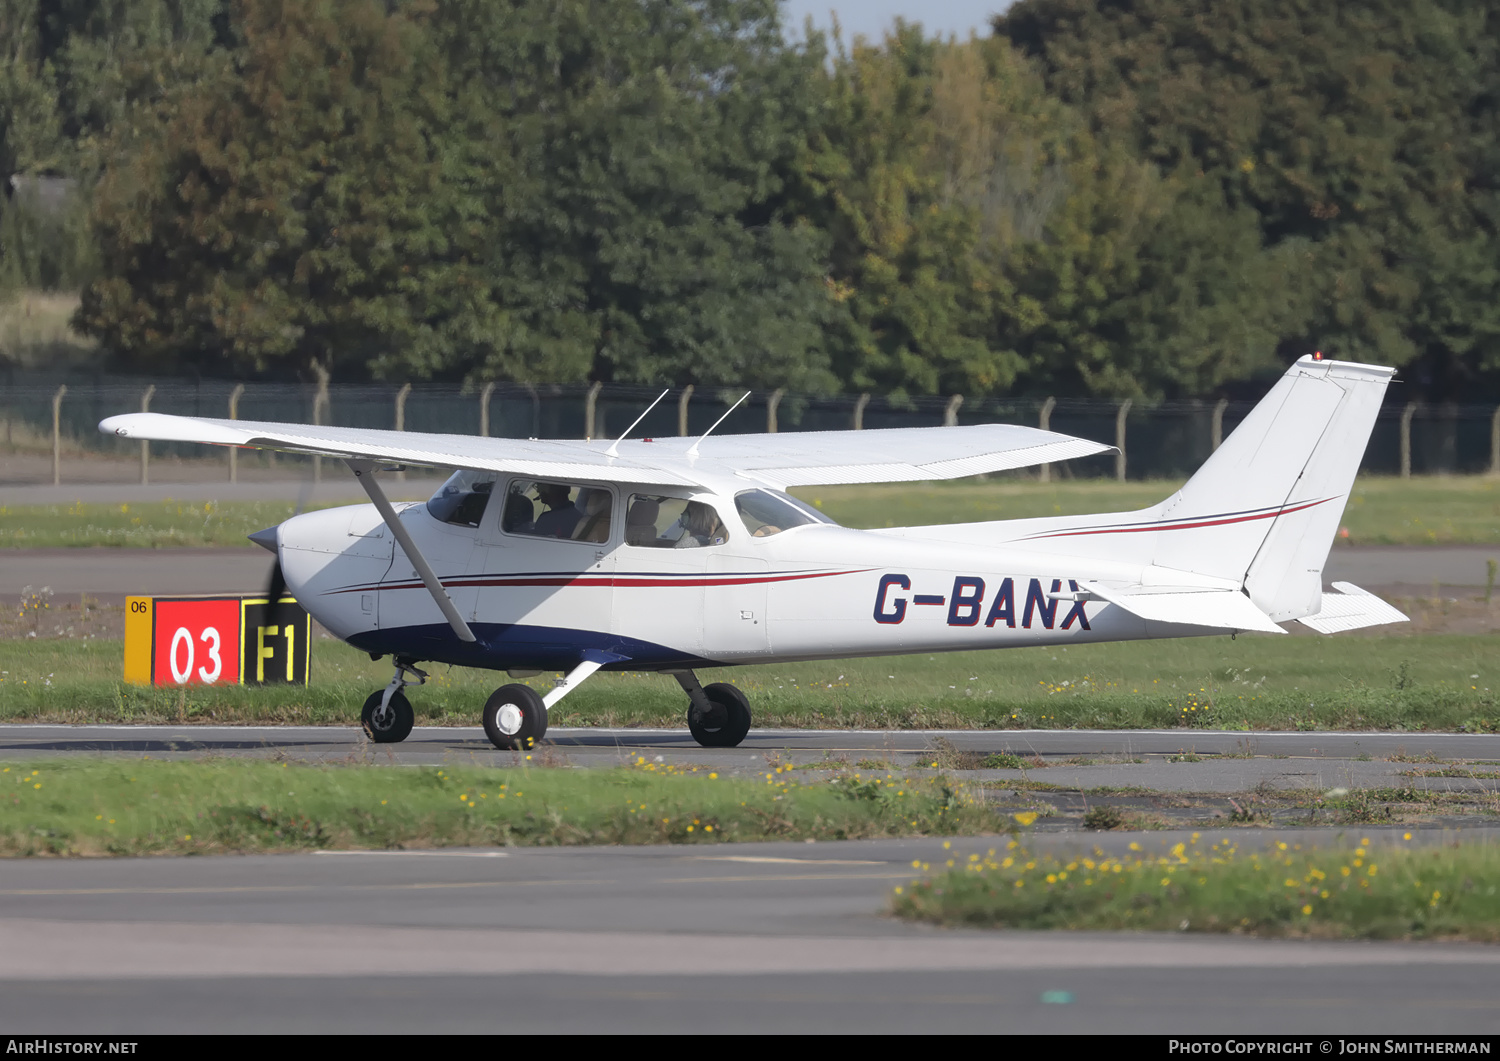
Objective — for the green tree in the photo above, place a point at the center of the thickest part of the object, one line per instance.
(926, 167)
(286, 204)
(109, 53)
(1149, 286)
(1353, 133)
(28, 98)
(629, 159)
(984, 240)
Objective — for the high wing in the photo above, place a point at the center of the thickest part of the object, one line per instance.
(888, 455)
(789, 459)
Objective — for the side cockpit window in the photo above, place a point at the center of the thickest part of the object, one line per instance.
(654, 521)
(462, 499)
(766, 513)
(543, 509)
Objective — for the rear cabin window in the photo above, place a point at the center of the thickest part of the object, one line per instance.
(654, 521)
(766, 513)
(547, 509)
(461, 501)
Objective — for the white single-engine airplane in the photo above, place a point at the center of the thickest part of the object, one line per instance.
(673, 554)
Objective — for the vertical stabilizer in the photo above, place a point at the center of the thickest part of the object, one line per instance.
(1264, 508)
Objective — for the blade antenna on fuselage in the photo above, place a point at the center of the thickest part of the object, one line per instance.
(613, 450)
(694, 451)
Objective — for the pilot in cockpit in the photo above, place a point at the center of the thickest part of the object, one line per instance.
(702, 526)
(561, 517)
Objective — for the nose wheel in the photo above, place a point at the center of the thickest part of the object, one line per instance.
(387, 717)
(515, 717)
(390, 722)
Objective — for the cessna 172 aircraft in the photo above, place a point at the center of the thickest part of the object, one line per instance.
(670, 555)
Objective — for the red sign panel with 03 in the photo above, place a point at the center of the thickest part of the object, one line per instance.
(196, 642)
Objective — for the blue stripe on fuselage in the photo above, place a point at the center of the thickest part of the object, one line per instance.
(500, 646)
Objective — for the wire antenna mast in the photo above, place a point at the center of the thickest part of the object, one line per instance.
(694, 451)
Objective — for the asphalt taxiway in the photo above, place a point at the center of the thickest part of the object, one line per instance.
(778, 937)
(775, 937)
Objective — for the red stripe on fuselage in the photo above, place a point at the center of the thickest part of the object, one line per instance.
(1206, 521)
(625, 581)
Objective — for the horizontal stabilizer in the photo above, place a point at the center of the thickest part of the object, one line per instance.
(1226, 609)
(1349, 609)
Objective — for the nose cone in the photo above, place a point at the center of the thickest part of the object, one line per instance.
(267, 539)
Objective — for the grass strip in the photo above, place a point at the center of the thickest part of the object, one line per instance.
(1400, 893)
(146, 807)
(140, 524)
(1429, 682)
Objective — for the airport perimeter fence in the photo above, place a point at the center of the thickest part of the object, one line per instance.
(1163, 440)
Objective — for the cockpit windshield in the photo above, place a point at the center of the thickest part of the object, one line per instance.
(766, 513)
(462, 499)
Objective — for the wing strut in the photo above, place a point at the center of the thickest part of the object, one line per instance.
(364, 471)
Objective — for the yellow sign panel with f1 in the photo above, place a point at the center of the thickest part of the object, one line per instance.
(276, 641)
(216, 641)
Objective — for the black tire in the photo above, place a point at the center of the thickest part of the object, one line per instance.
(727, 723)
(397, 724)
(521, 727)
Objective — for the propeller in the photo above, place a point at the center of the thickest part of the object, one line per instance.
(270, 540)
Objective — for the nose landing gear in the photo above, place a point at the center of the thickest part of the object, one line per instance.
(387, 716)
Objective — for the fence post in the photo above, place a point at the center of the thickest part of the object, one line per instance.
(859, 412)
(950, 414)
(57, 435)
(536, 411)
(146, 446)
(1447, 448)
(589, 405)
(1218, 429)
(401, 396)
(234, 414)
(1120, 439)
(1406, 415)
(320, 406)
(771, 405)
(682, 406)
(1495, 442)
(1044, 421)
(484, 409)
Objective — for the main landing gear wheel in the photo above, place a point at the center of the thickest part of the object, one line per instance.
(727, 720)
(515, 717)
(391, 725)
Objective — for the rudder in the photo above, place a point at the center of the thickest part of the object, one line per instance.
(1264, 508)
